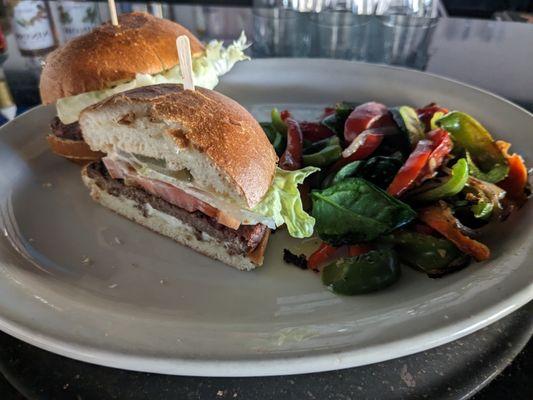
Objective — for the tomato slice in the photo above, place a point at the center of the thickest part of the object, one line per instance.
(366, 116)
(321, 255)
(426, 158)
(169, 193)
(291, 159)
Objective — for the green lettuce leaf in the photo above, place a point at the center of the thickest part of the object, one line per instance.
(284, 205)
(216, 61)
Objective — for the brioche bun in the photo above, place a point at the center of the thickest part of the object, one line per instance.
(109, 54)
(76, 151)
(216, 139)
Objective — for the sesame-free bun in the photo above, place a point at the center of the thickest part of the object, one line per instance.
(76, 151)
(109, 54)
(217, 140)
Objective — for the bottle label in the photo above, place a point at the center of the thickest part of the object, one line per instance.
(77, 18)
(31, 26)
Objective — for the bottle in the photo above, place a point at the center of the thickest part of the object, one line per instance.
(3, 48)
(77, 17)
(8, 109)
(34, 29)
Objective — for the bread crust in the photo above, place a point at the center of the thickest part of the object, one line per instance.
(213, 124)
(109, 54)
(74, 150)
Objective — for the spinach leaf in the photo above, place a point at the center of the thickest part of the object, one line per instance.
(365, 273)
(350, 170)
(379, 170)
(354, 210)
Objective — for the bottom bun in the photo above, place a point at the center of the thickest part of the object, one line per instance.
(174, 228)
(74, 150)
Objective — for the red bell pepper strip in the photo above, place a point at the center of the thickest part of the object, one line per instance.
(366, 116)
(426, 113)
(327, 112)
(406, 176)
(443, 146)
(370, 144)
(427, 156)
(424, 229)
(440, 218)
(320, 256)
(315, 131)
(358, 249)
(291, 159)
(516, 181)
(285, 114)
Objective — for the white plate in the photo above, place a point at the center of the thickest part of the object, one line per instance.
(146, 303)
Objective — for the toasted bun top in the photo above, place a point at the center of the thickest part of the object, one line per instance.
(109, 54)
(203, 125)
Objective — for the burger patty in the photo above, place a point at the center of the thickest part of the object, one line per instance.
(237, 241)
(66, 131)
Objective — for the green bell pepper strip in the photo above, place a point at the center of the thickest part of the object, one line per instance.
(492, 176)
(482, 210)
(489, 162)
(275, 138)
(429, 254)
(451, 187)
(279, 144)
(361, 274)
(277, 122)
(433, 121)
(328, 155)
(315, 147)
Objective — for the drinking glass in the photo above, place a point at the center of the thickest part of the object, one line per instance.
(340, 29)
(280, 28)
(404, 31)
(415, 8)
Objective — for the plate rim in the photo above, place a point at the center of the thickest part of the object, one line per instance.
(270, 366)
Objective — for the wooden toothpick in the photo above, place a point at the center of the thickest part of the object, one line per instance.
(113, 12)
(157, 10)
(185, 59)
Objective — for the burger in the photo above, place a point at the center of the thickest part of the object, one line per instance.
(195, 166)
(140, 51)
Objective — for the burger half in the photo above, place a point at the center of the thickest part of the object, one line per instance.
(194, 166)
(140, 51)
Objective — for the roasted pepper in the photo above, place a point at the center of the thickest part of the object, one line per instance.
(368, 272)
(322, 153)
(451, 187)
(429, 254)
(486, 160)
(277, 122)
